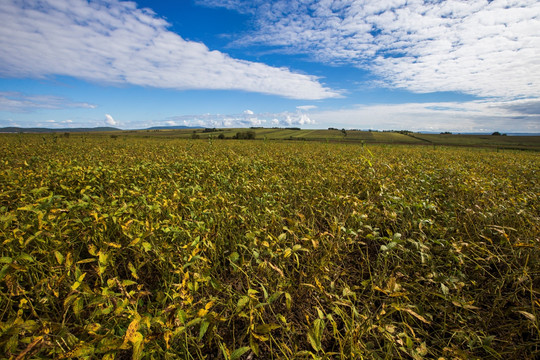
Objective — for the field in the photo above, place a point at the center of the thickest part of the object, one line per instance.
(353, 136)
(152, 246)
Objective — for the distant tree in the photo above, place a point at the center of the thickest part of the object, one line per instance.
(247, 135)
(221, 136)
(496, 133)
(195, 135)
(344, 132)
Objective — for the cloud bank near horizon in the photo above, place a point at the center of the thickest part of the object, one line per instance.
(472, 116)
(246, 119)
(115, 42)
(522, 116)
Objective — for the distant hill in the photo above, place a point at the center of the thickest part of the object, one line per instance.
(48, 130)
(174, 127)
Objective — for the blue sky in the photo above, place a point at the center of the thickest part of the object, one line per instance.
(422, 65)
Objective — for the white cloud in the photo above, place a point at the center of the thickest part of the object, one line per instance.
(485, 48)
(110, 121)
(18, 102)
(117, 43)
(306, 107)
(472, 116)
(244, 120)
(248, 112)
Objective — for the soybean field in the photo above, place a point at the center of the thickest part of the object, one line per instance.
(167, 248)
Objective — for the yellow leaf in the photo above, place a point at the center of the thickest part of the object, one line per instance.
(40, 220)
(59, 257)
(209, 305)
(407, 310)
(114, 245)
(138, 346)
(167, 337)
(131, 333)
(69, 260)
(528, 315)
(133, 270)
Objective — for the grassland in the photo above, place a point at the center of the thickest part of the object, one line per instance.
(171, 248)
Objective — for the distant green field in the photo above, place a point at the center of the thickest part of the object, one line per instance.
(354, 136)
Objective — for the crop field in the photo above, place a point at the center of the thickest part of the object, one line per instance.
(170, 248)
(352, 136)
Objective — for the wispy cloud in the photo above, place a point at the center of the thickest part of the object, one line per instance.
(306, 107)
(115, 42)
(18, 102)
(484, 48)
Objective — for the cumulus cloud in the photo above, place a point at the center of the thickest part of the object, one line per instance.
(13, 101)
(484, 48)
(245, 119)
(110, 121)
(117, 43)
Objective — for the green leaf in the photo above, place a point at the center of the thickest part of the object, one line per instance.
(236, 354)
(254, 345)
(274, 296)
(4, 271)
(203, 328)
(265, 328)
(313, 341)
(194, 322)
(242, 302)
(6, 260)
(78, 306)
(25, 256)
(444, 289)
(288, 300)
(234, 256)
